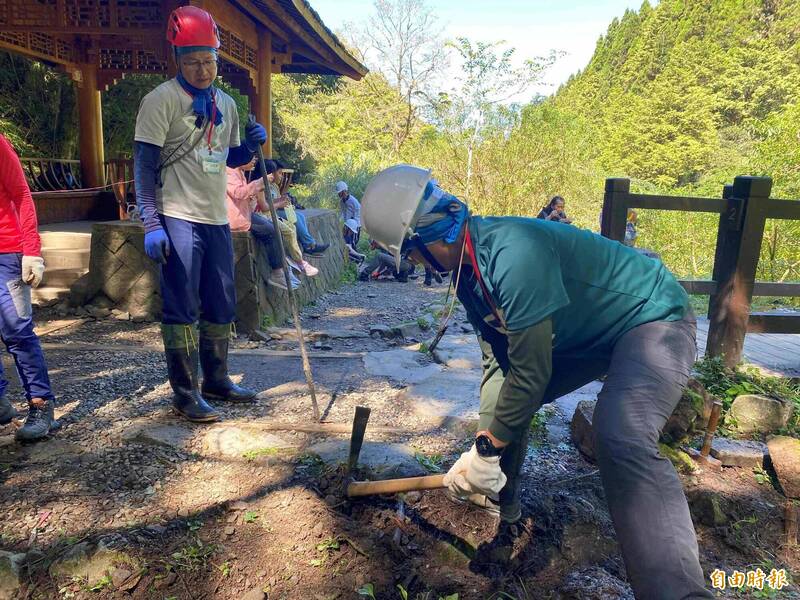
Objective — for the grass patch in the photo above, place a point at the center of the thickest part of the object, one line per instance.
(726, 384)
(538, 430)
(423, 323)
(193, 556)
(250, 516)
(349, 274)
(431, 462)
(252, 455)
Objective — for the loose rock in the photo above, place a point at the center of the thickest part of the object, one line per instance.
(784, 452)
(739, 453)
(581, 429)
(753, 413)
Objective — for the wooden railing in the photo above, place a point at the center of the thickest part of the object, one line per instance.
(64, 175)
(744, 208)
(52, 174)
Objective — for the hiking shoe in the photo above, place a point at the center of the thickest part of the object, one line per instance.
(494, 558)
(39, 422)
(7, 411)
(309, 269)
(317, 249)
(277, 279)
(437, 277)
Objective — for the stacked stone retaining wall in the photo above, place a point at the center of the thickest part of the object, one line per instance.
(121, 271)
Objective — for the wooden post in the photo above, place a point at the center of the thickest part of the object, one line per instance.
(615, 209)
(263, 107)
(741, 231)
(90, 115)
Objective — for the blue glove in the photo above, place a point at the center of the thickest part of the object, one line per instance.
(254, 136)
(156, 245)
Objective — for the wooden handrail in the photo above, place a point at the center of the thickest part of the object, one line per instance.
(743, 208)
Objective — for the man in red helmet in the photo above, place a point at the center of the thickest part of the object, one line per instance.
(187, 132)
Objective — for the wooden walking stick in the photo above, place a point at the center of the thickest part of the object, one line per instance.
(286, 273)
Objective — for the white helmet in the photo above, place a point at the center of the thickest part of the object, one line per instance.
(391, 206)
(341, 186)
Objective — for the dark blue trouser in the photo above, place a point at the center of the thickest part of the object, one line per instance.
(197, 281)
(303, 234)
(16, 329)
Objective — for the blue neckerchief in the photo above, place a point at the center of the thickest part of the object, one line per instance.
(202, 100)
(436, 200)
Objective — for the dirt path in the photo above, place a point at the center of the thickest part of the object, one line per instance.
(255, 503)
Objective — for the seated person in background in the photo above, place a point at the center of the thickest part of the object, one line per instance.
(630, 228)
(288, 231)
(383, 263)
(351, 215)
(292, 214)
(554, 211)
(242, 200)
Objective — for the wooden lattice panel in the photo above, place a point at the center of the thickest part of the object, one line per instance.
(236, 48)
(122, 60)
(40, 44)
(149, 62)
(116, 59)
(88, 13)
(135, 14)
(34, 14)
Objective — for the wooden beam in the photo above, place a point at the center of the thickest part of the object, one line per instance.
(85, 31)
(263, 107)
(256, 13)
(90, 114)
(699, 286)
(297, 29)
(358, 70)
(773, 323)
(769, 288)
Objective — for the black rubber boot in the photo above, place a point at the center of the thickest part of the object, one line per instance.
(39, 422)
(428, 276)
(511, 462)
(181, 353)
(7, 411)
(217, 386)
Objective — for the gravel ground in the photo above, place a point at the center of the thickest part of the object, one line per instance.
(188, 511)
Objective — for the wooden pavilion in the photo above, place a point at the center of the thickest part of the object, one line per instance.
(98, 42)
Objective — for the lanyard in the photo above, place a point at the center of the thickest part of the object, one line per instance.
(213, 119)
(486, 296)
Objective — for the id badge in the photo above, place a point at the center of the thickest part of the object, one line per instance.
(211, 165)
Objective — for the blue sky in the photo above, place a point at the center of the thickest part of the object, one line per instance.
(533, 27)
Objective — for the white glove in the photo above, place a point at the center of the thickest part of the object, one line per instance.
(32, 270)
(475, 474)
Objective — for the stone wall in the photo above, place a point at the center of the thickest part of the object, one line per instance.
(120, 270)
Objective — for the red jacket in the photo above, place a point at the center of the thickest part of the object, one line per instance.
(18, 225)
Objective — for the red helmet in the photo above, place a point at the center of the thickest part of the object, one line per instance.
(192, 26)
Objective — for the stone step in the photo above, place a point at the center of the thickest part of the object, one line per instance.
(46, 294)
(65, 239)
(66, 258)
(63, 277)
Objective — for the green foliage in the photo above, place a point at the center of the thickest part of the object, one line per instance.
(194, 555)
(250, 516)
(104, 582)
(727, 384)
(367, 590)
(252, 455)
(431, 462)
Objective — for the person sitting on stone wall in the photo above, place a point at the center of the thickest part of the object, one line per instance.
(294, 254)
(243, 198)
(292, 213)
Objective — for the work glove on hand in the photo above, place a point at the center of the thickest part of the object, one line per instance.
(254, 136)
(32, 270)
(475, 474)
(156, 245)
